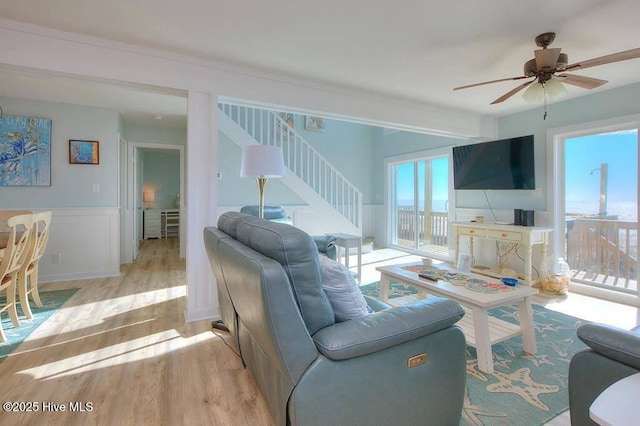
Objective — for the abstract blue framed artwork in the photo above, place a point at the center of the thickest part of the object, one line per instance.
(25, 151)
(84, 152)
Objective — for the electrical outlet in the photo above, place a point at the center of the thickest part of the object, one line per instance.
(56, 258)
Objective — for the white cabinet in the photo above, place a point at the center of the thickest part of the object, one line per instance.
(152, 227)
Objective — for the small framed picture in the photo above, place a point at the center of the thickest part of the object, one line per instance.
(314, 124)
(84, 152)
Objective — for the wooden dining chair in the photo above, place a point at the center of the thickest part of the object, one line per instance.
(28, 275)
(19, 229)
(4, 231)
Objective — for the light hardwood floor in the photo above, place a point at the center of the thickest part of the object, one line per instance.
(123, 345)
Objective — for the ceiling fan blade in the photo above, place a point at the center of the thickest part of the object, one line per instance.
(512, 92)
(547, 58)
(581, 81)
(489, 82)
(607, 59)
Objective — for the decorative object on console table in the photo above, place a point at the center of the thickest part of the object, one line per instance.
(262, 162)
(84, 152)
(517, 216)
(464, 263)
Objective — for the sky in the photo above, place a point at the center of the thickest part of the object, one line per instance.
(583, 158)
(440, 176)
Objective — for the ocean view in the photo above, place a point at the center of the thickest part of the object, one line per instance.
(626, 211)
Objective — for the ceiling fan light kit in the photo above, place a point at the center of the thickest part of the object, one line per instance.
(536, 92)
(542, 69)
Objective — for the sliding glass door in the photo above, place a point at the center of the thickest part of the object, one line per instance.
(601, 209)
(419, 203)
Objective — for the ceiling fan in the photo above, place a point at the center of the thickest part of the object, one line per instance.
(547, 70)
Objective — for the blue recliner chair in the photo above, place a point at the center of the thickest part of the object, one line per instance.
(277, 214)
(613, 354)
(403, 365)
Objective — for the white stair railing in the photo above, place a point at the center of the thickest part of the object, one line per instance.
(268, 128)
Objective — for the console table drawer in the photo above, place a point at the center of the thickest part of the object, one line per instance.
(506, 235)
(472, 232)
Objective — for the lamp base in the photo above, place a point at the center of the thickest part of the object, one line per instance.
(262, 182)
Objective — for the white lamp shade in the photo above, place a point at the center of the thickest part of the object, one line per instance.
(148, 196)
(263, 161)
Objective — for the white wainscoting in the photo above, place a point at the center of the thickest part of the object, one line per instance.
(83, 243)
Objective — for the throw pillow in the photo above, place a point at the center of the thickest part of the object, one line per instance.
(341, 289)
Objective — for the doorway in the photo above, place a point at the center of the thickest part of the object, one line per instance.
(160, 196)
(419, 203)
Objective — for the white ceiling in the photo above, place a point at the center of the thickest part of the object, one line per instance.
(405, 48)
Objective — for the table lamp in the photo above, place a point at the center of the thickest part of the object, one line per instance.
(262, 162)
(148, 197)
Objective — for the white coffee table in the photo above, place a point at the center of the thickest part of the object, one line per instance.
(481, 330)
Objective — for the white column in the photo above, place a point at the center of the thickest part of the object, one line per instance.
(201, 203)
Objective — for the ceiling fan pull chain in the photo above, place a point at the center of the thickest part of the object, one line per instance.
(544, 91)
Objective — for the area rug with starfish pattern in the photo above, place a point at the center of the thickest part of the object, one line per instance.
(51, 302)
(524, 389)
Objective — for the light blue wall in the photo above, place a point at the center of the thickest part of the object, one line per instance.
(71, 184)
(349, 147)
(161, 174)
(599, 106)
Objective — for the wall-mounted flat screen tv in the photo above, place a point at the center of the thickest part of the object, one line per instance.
(502, 164)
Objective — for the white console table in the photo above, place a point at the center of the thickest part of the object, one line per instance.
(527, 236)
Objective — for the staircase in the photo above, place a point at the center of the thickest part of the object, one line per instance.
(328, 193)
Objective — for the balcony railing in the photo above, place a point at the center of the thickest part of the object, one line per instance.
(436, 234)
(603, 252)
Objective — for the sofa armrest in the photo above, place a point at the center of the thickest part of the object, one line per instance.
(612, 342)
(387, 328)
(376, 304)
